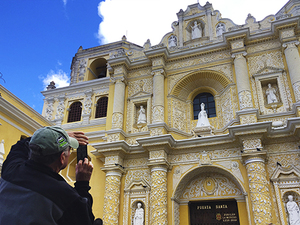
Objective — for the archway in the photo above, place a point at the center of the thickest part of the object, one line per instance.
(223, 186)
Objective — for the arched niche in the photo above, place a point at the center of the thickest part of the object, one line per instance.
(191, 24)
(187, 87)
(200, 175)
(97, 69)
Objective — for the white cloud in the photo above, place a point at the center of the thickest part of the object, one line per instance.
(140, 20)
(65, 2)
(59, 77)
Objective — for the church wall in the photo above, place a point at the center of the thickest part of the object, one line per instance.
(248, 133)
(17, 121)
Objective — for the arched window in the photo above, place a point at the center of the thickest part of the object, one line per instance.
(75, 112)
(208, 100)
(101, 108)
(97, 69)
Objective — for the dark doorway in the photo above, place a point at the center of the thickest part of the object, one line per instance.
(214, 212)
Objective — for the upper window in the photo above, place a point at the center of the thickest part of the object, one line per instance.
(101, 108)
(97, 69)
(75, 112)
(208, 100)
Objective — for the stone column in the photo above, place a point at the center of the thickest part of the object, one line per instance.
(60, 110)
(158, 96)
(293, 62)
(158, 196)
(87, 107)
(259, 190)
(242, 80)
(50, 109)
(119, 101)
(180, 21)
(111, 198)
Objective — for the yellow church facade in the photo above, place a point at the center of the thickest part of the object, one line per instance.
(202, 128)
(17, 121)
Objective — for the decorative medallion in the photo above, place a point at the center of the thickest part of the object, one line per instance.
(209, 185)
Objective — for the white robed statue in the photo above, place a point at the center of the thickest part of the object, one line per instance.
(202, 117)
(196, 30)
(142, 116)
(139, 215)
(293, 211)
(271, 94)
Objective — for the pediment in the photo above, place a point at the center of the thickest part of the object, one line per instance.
(140, 94)
(268, 70)
(282, 173)
(138, 185)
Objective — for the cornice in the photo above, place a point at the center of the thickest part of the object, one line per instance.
(20, 117)
(95, 84)
(19, 101)
(122, 60)
(158, 52)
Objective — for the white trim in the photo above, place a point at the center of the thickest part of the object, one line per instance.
(16, 114)
(254, 160)
(158, 169)
(113, 173)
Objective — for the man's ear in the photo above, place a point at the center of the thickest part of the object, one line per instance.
(62, 158)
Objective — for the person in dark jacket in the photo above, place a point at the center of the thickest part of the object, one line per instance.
(31, 189)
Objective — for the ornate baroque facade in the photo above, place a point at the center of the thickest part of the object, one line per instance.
(250, 154)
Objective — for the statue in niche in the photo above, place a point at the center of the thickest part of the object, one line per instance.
(271, 94)
(202, 117)
(172, 41)
(220, 29)
(196, 30)
(139, 215)
(293, 211)
(142, 116)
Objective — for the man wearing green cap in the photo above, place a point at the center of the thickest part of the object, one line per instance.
(32, 191)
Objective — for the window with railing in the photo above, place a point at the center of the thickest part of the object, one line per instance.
(101, 107)
(75, 112)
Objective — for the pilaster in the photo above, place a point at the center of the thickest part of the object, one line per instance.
(60, 110)
(293, 62)
(158, 96)
(158, 149)
(112, 197)
(259, 187)
(290, 42)
(159, 165)
(113, 167)
(158, 196)
(87, 107)
(119, 69)
(49, 110)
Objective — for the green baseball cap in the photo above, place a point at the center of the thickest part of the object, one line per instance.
(52, 140)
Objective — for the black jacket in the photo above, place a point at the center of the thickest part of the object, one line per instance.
(32, 193)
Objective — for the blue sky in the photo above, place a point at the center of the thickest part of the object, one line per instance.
(38, 38)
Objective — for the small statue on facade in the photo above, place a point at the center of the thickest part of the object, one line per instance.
(142, 116)
(293, 211)
(172, 41)
(220, 29)
(202, 117)
(271, 94)
(139, 215)
(196, 30)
